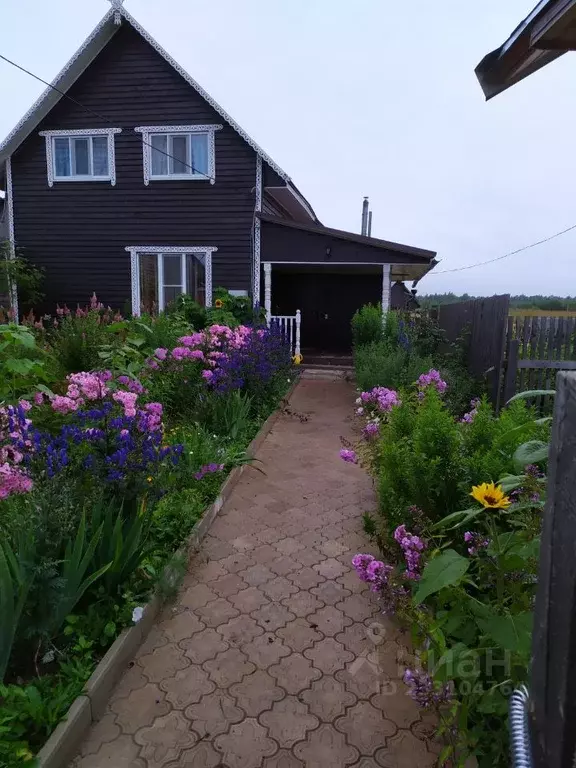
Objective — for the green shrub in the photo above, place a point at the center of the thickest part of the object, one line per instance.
(383, 365)
(367, 325)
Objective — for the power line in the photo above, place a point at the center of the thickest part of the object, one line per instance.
(506, 255)
(102, 117)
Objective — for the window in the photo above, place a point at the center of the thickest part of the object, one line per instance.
(184, 152)
(160, 275)
(81, 155)
(179, 155)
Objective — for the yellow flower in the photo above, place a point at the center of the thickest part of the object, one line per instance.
(297, 359)
(149, 479)
(490, 496)
(218, 303)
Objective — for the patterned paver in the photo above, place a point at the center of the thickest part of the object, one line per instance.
(275, 654)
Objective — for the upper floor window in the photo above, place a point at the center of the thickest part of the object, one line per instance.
(181, 152)
(86, 155)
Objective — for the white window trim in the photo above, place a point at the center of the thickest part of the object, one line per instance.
(51, 135)
(148, 130)
(136, 250)
(11, 236)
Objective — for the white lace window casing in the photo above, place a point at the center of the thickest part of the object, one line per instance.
(86, 155)
(181, 152)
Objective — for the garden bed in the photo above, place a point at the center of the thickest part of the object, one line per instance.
(461, 496)
(87, 708)
(114, 440)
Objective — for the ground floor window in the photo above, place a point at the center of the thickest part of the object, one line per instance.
(160, 275)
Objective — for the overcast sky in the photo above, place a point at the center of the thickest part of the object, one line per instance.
(375, 98)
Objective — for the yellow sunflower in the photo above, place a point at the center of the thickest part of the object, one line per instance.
(490, 496)
(218, 303)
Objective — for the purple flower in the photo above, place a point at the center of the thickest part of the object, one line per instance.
(432, 379)
(371, 429)
(423, 689)
(477, 542)
(411, 546)
(348, 455)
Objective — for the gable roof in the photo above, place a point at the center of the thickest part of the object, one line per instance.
(94, 43)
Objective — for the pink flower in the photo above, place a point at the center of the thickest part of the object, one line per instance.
(12, 481)
(127, 400)
(25, 405)
(348, 456)
(161, 353)
(193, 340)
(197, 354)
(62, 404)
(38, 398)
(179, 353)
(208, 375)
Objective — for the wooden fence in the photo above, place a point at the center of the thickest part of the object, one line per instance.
(553, 678)
(482, 322)
(536, 348)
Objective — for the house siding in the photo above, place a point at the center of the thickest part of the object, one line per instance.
(78, 231)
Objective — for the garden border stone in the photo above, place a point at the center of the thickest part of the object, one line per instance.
(63, 744)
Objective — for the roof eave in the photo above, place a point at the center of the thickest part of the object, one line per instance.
(547, 33)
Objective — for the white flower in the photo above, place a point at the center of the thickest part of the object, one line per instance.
(48, 656)
(358, 401)
(137, 614)
(359, 411)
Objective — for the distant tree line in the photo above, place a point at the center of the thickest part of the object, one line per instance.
(552, 303)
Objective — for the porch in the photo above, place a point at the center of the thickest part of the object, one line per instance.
(313, 279)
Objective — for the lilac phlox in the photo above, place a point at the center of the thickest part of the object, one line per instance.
(208, 375)
(385, 399)
(432, 379)
(371, 429)
(161, 353)
(476, 541)
(127, 400)
(423, 689)
(469, 417)
(412, 547)
(192, 340)
(372, 571)
(13, 480)
(349, 456)
(208, 469)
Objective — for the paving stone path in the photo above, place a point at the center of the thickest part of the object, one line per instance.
(274, 655)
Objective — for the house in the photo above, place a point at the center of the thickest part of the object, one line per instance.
(126, 178)
(546, 33)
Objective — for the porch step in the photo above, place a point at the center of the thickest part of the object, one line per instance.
(327, 361)
(326, 372)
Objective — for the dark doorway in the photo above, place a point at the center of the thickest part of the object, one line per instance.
(327, 300)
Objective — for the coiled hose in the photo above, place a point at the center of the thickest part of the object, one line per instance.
(519, 729)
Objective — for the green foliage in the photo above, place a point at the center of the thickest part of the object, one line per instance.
(18, 271)
(22, 363)
(443, 571)
(15, 582)
(186, 309)
(379, 364)
(367, 325)
(76, 342)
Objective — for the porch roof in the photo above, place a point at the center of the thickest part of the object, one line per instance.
(290, 242)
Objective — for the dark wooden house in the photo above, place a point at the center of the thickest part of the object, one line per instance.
(127, 179)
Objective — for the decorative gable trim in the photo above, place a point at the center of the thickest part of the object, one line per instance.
(11, 236)
(110, 132)
(91, 47)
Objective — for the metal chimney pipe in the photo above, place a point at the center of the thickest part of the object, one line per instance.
(365, 206)
(369, 232)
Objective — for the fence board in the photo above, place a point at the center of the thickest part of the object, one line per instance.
(553, 680)
(486, 321)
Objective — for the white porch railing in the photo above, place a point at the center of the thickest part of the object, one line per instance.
(290, 327)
